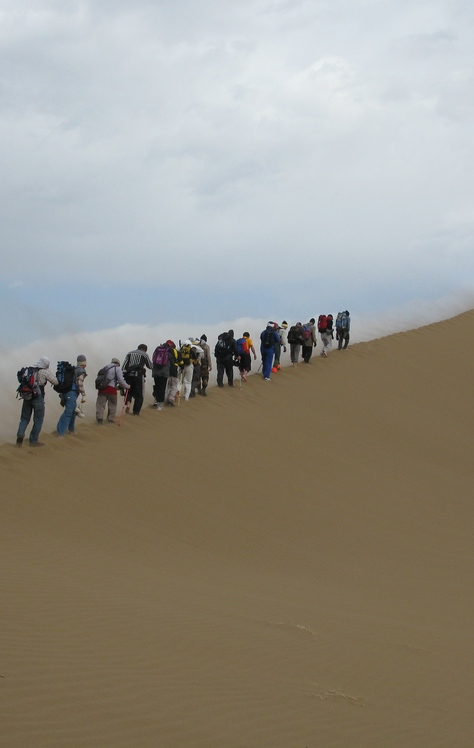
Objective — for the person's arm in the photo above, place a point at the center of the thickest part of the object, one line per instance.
(121, 381)
(49, 377)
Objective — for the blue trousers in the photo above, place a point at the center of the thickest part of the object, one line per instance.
(35, 408)
(267, 360)
(67, 420)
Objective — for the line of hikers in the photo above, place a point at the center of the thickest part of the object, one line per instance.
(179, 372)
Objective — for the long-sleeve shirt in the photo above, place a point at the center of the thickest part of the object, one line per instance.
(135, 363)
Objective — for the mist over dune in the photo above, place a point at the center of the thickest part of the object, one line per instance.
(102, 345)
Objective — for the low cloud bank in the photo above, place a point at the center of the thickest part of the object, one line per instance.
(100, 347)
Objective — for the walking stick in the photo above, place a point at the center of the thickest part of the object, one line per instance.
(123, 407)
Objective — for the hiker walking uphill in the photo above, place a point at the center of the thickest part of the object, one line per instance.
(107, 380)
(245, 349)
(196, 355)
(343, 326)
(325, 329)
(296, 340)
(33, 381)
(172, 383)
(310, 339)
(206, 366)
(67, 421)
(186, 365)
(269, 338)
(160, 373)
(134, 370)
(281, 330)
(225, 352)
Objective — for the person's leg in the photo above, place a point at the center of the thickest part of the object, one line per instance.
(155, 389)
(69, 399)
(187, 379)
(229, 370)
(220, 373)
(112, 409)
(160, 389)
(171, 390)
(100, 406)
(38, 418)
(267, 359)
(26, 411)
(195, 382)
(136, 387)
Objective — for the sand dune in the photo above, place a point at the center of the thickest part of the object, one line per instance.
(289, 564)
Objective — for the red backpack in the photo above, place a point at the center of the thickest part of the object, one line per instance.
(322, 323)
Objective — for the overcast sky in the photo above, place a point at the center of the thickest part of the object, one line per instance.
(181, 160)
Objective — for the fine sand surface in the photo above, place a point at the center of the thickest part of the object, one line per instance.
(289, 565)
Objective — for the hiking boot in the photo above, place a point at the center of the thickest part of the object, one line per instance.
(19, 441)
(100, 421)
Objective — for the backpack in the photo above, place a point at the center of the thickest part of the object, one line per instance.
(222, 346)
(242, 346)
(102, 379)
(293, 335)
(322, 323)
(161, 355)
(341, 321)
(28, 388)
(65, 376)
(185, 354)
(306, 330)
(268, 338)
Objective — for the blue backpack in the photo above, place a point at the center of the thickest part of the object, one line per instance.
(242, 346)
(342, 321)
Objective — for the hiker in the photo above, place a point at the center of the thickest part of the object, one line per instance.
(245, 348)
(67, 420)
(225, 352)
(160, 373)
(107, 394)
(196, 355)
(296, 340)
(206, 366)
(310, 339)
(268, 339)
(281, 330)
(326, 333)
(34, 406)
(172, 383)
(186, 366)
(343, 326)
(134, 371)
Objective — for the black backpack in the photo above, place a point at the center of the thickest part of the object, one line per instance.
(65, 376)
(102, 377)
(268, 338)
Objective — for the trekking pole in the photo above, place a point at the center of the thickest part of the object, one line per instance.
(260, 366)
(123, 407)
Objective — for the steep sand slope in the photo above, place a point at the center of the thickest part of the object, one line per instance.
(289, 564)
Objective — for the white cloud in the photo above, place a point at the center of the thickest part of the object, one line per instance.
(145, 133)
